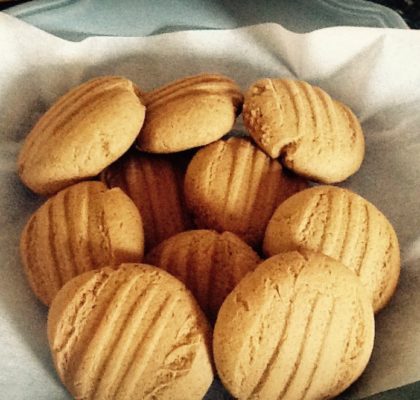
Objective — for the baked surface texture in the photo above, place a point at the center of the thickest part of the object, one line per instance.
(189, 112)
(233, 186)
(131, 333)
(342, 225)
(210, 264)
(316, 136)
(156, 185)
(301, 326)
(83, 132)
(82, 227)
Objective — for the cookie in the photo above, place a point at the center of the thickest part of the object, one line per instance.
(233, 186)
(189, 112)
(209, 263)
(82, 227)
(342, 225)
(316, 136)
(83, 132)
(155, 184)
(300, 326)
(130, 333)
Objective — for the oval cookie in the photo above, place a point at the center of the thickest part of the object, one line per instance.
(189, 112)
(342, 225)
(82, 133)
(233, 186)
(83, 227)
(209, 263)
(155, 184)
(300, 326)
(316, 136)
(131, 333)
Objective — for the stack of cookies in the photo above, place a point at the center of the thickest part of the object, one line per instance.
(232, 233)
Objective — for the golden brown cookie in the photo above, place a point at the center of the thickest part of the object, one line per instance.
(131, 333)
(189, 112)
(82, 227)
(233, 186)
(342, 225)
(155, 184)
(300, 326)
(83, 132)
(316, 136)
(209, 263)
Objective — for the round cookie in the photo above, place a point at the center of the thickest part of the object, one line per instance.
(233, 186)
(83, 132)
(342, 225)
(209, 263)
(155, 184)
(189, 112)
(82, 227)
(301, 326)
(131, 333)
(316, 136)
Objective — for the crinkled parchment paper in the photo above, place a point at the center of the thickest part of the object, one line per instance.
(375, 71)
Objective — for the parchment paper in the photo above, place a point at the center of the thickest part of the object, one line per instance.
(375, 71)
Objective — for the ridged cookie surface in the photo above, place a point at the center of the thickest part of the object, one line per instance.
(82, 227)
(210, 264)
(189, 112)
(300, 326)
(317, 136)
(233, 186)
(131, 333)
(82, 133)
(342, 225)
(155, 184)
